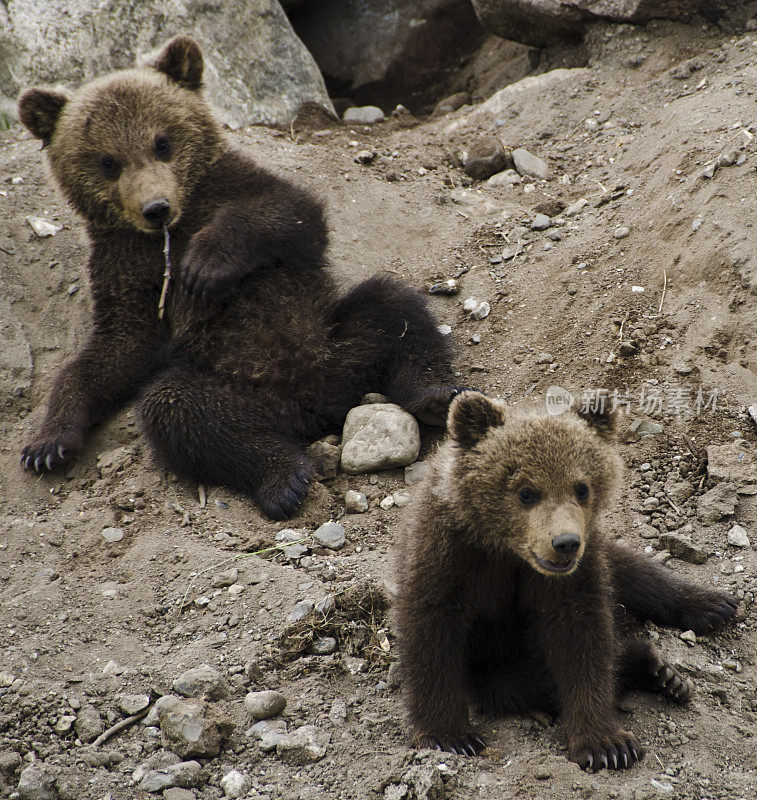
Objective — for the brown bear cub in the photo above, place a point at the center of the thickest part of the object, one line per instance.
(256, 354)
(512, 600)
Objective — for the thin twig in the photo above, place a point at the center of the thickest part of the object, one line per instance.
(166, 272)
(604, 191)
(625, 319)
(664, 288)
(119, 726)
(673, 506)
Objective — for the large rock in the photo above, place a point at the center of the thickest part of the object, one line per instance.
(303, 746)
(545, 22)
(203, 681)
(379, 436)
(37, 783)
(257, 70)
(192, 728)
(374, 49)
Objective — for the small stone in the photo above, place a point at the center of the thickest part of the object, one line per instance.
(325, 458)
(88, 724)
(43, 227)
(331, 535)
(540, 222)
(325, 606)
(665, 788)
(113, 668)
(651, 503)
(506, 178)
(728, 159)
(355, 666)
(132, 704)
(689, 637)
(530, 165)
(708, 171)
(401, 499)
(235, 784)
(753, 412)
(681, 546)
(545, 358)
(183, 774)
(64, 724)
(268, 732)
(481, 311)
(444, 330)
(621, 232)
(363, 115)
(365, 156)
(379, 436)
(387, 503)
(486, 157)
(324, 646)
(37, 783)
(203, 682)
(192, 728)
(355, 502)
(737, 537)
(719, 502)
(449, 287)
(639, 428)
(305, 745)
(576, 208)
(112, 535)
(299, 612)
(225, 578)
(542, 773)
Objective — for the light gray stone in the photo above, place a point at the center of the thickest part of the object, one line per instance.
(265, 704)
(540, 222)
(719, 502)
(681, 546)
(299, 612)
(132, 704)
(363, 115)
(191, 728)
(305, 745)
(331, 535)
(508, 177)
(184, 774)
(113, 535)
(37, 782)
(203, 681)
(268, 732)
(355, 502)
(226, 578)
(323, 647)
(88, 725)
(72, 41)
(379, 436)
(528, 164)
(738, 537)
(235, 784)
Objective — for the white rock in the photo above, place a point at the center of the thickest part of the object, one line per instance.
(530, 165)
(387, 503)
(133, 703)
(576, 208)
(508, 177)
(235, 784)
(305, 745)
(43, 227)
(401, 499)
(363, 115)
(112, 535)
(202, 681)
(330, 535)
(355, 502)
(737, 536)
(379, 436)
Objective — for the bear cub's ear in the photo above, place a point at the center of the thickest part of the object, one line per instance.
(598, 413)
(471, 415)
(181, 60)
(39, 109)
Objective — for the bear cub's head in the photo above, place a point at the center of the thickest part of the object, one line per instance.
(128, 148)
(530, 484)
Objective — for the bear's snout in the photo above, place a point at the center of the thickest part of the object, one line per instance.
(566, 544)
(157, 212)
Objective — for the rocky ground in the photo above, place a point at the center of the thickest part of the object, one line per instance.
(630, 266)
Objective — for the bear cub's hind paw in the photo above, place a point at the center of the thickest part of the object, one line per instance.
(48, 454)
(279, 497)
(468, 744)
(708, 610)
(617, 750)
(669, 682)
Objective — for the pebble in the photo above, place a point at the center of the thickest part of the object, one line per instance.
(401, 500)
(43, 227)
(444, 330)
(203, 682)
(299, 612)
(305, 745)
(355, 502)
(689, 637)
(665, 788)
(364, 115)
(183, 774)
(365, 156)
(64, 724)
(113, 668)
(486, 157)
(268, 732)
(508, 177)
(191, 728)
(737, 537)
(338, 712)
(112, 535)
(324, 646)
(540, 222)
(449, 287)
(379, 436)
(530, 165)
(235, 784)
(576, 208)
(37, 783)
(621, 232)
(132, 704)
(708, 171)
(331, 535)
(225, 578)
(681, 546)
(387, 503)
(476, 310)
(88, 725)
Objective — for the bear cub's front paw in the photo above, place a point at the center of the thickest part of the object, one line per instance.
(466, 744)
(616, 750)
(708, 610)
(206, 274)
(49, 452)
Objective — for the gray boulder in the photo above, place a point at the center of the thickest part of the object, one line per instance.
(257, 70)
(379, 436)
(202, 681)
(545, 22)
(37, 783)
(192, 728)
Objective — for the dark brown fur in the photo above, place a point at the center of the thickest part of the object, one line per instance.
(483, 618)
(257, 354)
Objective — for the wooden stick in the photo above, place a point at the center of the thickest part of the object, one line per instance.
(166, 272)
(119, 726)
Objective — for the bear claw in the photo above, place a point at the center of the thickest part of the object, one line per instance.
(281, 498)
(468, 745)
(618, 751)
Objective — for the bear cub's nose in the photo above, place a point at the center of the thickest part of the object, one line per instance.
(156, 211)
(566, 543)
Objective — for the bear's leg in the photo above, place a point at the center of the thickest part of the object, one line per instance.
(521, 687)
(205, 431)
(642, 666)
(654, 593)
(404, 355)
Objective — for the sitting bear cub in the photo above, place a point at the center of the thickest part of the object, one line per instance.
(256, 354)
(512, 600)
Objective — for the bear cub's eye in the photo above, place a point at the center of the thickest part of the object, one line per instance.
(110, 167)
(527, 496)
(162, 148)
(582, 492)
